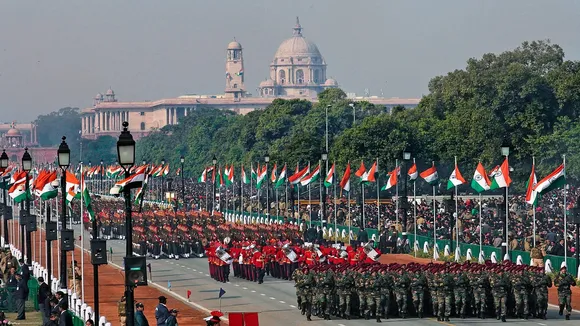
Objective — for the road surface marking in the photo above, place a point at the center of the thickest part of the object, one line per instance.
(253, 291)
(245, 288)
(206, 274)
(292, 306)
(195, 270)
(542, 324)
(262, 294)
(282, 302)
(272, 298)
(237, 285)
(341, 325)
(201, 272)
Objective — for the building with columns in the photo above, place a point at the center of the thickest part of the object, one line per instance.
(15, 137)
(298, 70)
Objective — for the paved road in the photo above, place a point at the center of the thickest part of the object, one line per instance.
(275, 300)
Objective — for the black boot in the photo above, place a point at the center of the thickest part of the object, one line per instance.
(567, 317)
(561, 310)
(368, 316)
(378, 319)
(447, 319)
(503, 319)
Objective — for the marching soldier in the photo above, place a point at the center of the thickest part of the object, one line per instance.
(563, 281)
(445, 294)
(499, 286)
(541, 283)
(520, 284)
(479, 285)
(461, 282)
(401, 288)
(344, 284)
(418, 285)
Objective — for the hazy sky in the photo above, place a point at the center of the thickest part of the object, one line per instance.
(57, 53)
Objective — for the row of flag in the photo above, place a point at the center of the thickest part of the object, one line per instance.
(482, 181)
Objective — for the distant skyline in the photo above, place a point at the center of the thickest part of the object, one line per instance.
(59, 53)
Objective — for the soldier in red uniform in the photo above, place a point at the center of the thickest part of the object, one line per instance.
(258, 263)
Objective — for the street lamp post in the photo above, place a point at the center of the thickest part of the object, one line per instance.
(63, 156)
(91, 186)
(102, 188)
(214, 172)
(162, 178)
(4, 166)
(27, 166)
(324, 159)
(505, 151)
(126, 154)
(405, 202)
(267, 159)
(182, 183)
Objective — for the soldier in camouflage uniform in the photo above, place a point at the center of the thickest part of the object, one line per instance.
(307, 289)
(541, 282)
(445, 294)
(418, 286)
(563, 281)
(401, 284)
(373, 297)
(344, 286)
(433, 288)
(297, 276)
(325, 284)
(386, 282)
(499, 290)
(461, 283)
(521, 284)
(360, 282)
(479, 284)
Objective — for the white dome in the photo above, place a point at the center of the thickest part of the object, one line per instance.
(297, 46)
(234, 46)
(330, 82)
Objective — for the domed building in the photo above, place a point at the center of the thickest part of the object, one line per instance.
(298, 69)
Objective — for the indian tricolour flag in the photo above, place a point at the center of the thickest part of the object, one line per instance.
(229, 172)
(501, 176)
(44, 187)
(274, 174)
(412, 173)
(310, 178)
(281, 178)
(72, 182)
(430, 175)
(480, 182)
(329, 180)
(245, 178)
(299, 174)
(345, 182)
(531, 193)
(87, 199)
(455, 179)
(203, 176)
(261, 176)
(554, 180)
(369, 176)
(141, 191)
(133, 181)
(18, 190)
(392, 181)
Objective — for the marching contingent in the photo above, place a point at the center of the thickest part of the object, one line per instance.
(331, 278)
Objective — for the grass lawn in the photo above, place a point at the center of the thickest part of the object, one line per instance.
(33, 318)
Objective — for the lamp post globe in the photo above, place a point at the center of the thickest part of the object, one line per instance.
(162, 161)
(214, 160)
(63, 154)
(4, 160)
(126, 148)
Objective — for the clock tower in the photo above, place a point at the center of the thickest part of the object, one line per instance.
(234, 71)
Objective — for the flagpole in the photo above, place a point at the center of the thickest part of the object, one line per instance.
(309, 205)
(414, 212)
(480, 228)
(334, 199)
(362, 186)
(82, 240)
(320, 185)
(456, 217)
(378, 199)
(507, 216)
(565, 217)
(242, 194)
(534, 207)
(435, 253)
(397, 201)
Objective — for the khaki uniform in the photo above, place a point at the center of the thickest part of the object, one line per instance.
(122, 316)
(75, 278)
